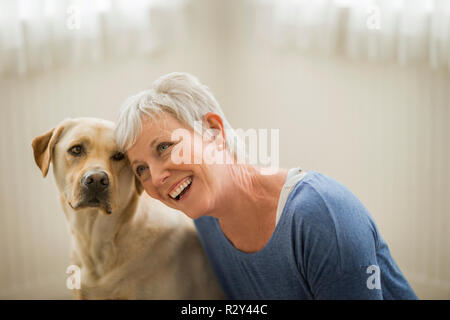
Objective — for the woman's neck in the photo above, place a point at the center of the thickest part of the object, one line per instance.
(247, 212)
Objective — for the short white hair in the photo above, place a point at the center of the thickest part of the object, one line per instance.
(180, 94)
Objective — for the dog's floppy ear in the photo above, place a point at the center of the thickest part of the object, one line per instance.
(139, 186)
(43, 147)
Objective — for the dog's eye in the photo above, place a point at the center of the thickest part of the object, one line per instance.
(76, 150)
(118, 156)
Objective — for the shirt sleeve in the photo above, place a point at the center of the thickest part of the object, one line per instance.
(336, 245)
(351, 286)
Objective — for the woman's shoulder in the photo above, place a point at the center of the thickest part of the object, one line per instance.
(320, 184)
(320, 197)
(325, 216)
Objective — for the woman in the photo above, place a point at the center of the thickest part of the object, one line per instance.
(287, 235)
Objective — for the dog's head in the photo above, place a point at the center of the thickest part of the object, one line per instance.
(89, 170)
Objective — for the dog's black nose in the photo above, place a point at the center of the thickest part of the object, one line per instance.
(95, 180)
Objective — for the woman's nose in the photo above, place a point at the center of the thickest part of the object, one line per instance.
(159, 177)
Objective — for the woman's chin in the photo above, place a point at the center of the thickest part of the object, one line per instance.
(195, 213)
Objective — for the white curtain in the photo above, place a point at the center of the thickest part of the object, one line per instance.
(405, 31)
(36, 35)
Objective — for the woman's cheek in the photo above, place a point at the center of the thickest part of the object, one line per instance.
(150, 190)
(177, 154)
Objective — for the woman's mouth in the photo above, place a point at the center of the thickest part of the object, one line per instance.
(181, 190)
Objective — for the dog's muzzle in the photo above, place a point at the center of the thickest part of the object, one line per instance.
(95, 190)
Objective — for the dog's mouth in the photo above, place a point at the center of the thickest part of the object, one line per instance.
(93, 202)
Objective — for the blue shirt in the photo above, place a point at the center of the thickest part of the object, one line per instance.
(324, 246)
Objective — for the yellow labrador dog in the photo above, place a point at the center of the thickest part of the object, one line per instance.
(128, 246)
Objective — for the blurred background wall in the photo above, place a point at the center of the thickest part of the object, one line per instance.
(359, 91)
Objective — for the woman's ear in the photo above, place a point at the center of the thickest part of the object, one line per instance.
(215, 128)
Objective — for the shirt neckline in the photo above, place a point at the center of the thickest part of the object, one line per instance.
(293, 177)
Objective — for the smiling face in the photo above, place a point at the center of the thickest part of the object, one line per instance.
(192, 185)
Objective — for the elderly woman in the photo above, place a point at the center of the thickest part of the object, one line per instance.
(285, 235)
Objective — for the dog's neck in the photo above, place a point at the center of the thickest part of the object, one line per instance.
(93, 236)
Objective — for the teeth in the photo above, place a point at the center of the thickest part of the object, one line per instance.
(178, 190)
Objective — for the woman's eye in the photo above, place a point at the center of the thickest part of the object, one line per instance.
(140, 170)
(163, 146)
(76, 150)
(118, 156)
